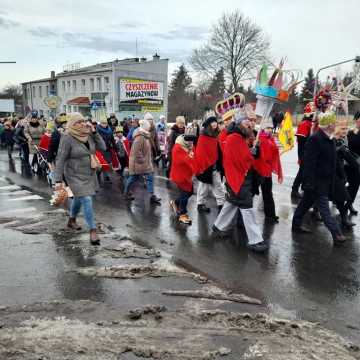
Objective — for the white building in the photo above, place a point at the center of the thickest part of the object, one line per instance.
(125, 87)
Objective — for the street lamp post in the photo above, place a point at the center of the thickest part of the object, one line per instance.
(356, 59)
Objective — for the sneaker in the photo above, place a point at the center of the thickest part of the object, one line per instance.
(155, 200)
(203, 209)
(339, 239)
(174, 207)
(185, 219)
(259, 247)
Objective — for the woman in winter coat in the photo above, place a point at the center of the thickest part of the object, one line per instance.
(33, 130)
(7, 137)
(106, 133)
(183, 168)
(75, 161)
(141, 163)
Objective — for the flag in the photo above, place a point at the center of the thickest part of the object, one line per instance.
(286, 133)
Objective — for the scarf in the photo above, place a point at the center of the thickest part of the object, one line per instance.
(104, 131)
(81, 134)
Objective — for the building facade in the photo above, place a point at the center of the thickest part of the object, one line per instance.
(125, 87)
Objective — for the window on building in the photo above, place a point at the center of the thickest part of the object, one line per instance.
(63, 86)
(40, 91)
(83, 84)
(69, 85)
(33, 91)
(74, 85)
(92, 85)
(47, 90)
(107, 82)
(98, 84)
(64, 108)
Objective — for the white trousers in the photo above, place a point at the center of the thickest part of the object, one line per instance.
(217, 188)
(228, 215)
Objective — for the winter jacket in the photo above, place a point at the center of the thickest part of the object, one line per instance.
(54, 145)
(19, 136)
(33, 134)
(74, 163)
(174, 133)
(140, 161)
(7, 136)
(155, 146)
(319, 163)
(354, 141)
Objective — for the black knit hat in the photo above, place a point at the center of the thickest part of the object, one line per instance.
(209, 120)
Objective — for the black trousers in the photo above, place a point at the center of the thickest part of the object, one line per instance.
(269, 204)
(353, 179)
(322, 203)
(299, 179)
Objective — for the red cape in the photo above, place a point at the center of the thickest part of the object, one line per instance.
(222, 139)
(45, 142)
(304, 128)
(237, 161)
(269, 161)
(206, 153)
(182, 168)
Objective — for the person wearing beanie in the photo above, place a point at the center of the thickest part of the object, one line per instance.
(183, 168)
(319, 178)
(353, 176)
(240, 169)
(208, 165)
(75, 162)
(141, 163)
(113, 121)
(177, 129)
(109, 154)
(303, 132)
(270, 163)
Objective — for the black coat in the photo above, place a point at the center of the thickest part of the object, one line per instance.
(7, 137)
(354, 142)
(19, 136)
(343, 155)
(54, 146)
(320, 164)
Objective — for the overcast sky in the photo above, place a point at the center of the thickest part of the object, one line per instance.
(42, 35)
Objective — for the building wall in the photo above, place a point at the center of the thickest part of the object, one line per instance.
(34, 94)
(89, 82)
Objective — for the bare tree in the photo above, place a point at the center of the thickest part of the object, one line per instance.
(236, 44)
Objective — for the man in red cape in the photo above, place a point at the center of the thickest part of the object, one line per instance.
(208, 167)
(240, 170)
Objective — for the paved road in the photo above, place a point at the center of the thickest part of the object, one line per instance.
(301, 277)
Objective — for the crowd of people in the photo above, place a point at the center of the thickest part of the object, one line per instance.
(231, 157)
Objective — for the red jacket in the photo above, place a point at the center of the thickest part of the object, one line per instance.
(222, 139)
(182, 168)
(206, 153)
(269, 161)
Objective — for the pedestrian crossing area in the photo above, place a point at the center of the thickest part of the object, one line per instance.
(16, 201)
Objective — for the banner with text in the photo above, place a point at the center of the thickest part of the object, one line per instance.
(143, 92)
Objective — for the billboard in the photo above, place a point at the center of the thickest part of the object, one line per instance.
(7, 105)
(141, 92)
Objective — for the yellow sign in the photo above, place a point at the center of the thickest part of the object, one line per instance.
(52, 102)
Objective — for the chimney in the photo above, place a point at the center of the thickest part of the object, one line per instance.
(52, 75)
(156, 57)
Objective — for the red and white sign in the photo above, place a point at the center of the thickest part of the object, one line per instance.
(135, 89)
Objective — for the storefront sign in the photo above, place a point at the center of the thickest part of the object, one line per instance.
(135, 90)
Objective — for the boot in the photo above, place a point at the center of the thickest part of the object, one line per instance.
(73, 225)
(351, 209)
(346, 223)
(339, 239)
(94, 240)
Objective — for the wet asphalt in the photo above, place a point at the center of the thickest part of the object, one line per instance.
(302, 276)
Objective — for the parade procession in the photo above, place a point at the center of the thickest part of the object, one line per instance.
(196, 204)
